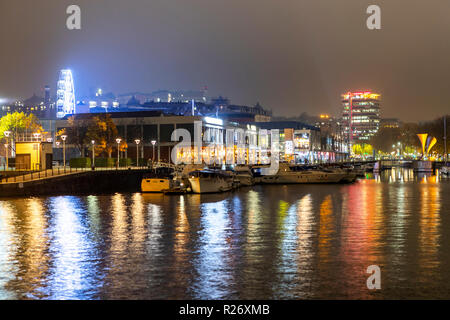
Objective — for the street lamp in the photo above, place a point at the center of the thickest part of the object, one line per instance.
(137, 151)
(118, 154)
(36, 136)
(93, 153)
(7, 133)
(153, 144)
(64, 137)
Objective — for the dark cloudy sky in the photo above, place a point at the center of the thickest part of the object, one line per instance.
(291, 55)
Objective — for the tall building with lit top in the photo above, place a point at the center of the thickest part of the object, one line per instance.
(361, 115)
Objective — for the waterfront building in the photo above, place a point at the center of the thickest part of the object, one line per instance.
(332, 136)
(222, 140)
(304, 143)
(299, 142)
(361, 115)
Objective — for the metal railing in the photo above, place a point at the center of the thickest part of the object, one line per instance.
(61, 171)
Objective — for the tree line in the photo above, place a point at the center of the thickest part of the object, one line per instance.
(100, 129)
(406, 134)
(80, 132)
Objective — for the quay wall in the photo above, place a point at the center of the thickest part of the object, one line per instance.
(87, 182)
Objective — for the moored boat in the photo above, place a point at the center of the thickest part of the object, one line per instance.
(210, 181)
(445, 170)
(244, 175)
(159, 181)
(301, 174)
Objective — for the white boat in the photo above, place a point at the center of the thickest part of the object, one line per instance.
(299, 174)
(350, 173)
(350, 176)
(210, 181)
(244, 175)
(445, 170)
(359, 171)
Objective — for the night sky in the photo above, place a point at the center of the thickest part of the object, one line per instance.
(292, 56)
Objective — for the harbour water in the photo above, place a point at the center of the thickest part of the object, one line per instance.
(261, 242)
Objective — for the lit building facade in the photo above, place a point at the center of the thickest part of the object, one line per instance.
(302, 143)
(361, 115)
(221, 141)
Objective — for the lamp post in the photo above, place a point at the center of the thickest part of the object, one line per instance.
(64, 137)
(153, 145)
(137, 151)
(36, 136)
(118, 154)
(6, 157)
(93, 154)
(7, 133)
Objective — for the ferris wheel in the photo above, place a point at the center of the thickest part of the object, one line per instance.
(65, 102)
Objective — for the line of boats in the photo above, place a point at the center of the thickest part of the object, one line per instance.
(201, 179)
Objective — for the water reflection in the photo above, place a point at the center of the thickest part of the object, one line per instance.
(306, 224)
(214, 252)
(34, 258)
(429, 232)
(265, 242)
(72, 273)
(8, 250)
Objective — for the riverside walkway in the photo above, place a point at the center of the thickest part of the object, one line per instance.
(68, 171)
(59, 172)
(74, 181)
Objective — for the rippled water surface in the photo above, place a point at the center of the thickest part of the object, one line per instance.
(264, 242)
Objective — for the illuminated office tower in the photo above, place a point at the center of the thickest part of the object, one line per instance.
(361, 115)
